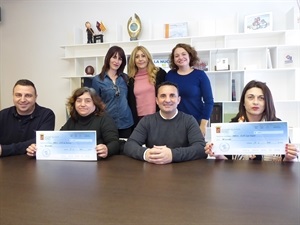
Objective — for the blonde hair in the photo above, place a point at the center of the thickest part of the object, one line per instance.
(151, 68)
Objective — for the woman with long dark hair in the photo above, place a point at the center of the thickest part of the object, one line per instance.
(111, 86)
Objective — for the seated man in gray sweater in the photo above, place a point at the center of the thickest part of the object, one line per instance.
(168, 135)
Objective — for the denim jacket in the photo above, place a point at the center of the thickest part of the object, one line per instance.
(115, 98)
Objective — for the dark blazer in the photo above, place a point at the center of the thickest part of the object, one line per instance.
(160, 77)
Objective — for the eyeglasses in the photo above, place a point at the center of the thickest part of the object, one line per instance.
(117, 90)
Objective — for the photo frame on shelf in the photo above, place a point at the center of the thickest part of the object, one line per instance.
(175, 30)
(289, 58)
(222, 64)
(258, 22)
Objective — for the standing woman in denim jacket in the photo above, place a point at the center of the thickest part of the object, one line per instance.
(111, 86)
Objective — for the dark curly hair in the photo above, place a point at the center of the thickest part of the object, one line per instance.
(194, 59)
(100, 106)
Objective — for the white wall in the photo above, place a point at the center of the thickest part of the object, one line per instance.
(31, 33)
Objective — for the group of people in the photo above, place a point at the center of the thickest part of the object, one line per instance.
(161, 116)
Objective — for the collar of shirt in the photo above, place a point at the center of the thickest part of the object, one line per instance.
(169, 118)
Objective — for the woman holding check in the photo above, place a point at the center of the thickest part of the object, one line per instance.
(256, 105)
(87, 113)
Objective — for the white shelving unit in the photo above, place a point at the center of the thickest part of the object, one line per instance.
(247, 56)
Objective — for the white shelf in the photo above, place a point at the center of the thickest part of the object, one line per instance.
(247, 54)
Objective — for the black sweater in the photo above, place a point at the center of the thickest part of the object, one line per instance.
(107, 132)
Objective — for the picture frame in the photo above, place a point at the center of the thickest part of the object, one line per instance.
(258, 22)
(222, 64)
(175, 30)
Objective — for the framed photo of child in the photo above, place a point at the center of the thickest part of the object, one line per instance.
(258, 22)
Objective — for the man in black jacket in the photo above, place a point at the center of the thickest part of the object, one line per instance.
(19, 123)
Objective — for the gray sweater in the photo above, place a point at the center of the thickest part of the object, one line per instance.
(181, 134)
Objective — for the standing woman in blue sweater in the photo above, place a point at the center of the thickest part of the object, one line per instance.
(194, 85)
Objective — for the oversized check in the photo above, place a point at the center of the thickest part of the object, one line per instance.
(251, 138)
(66, 145)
